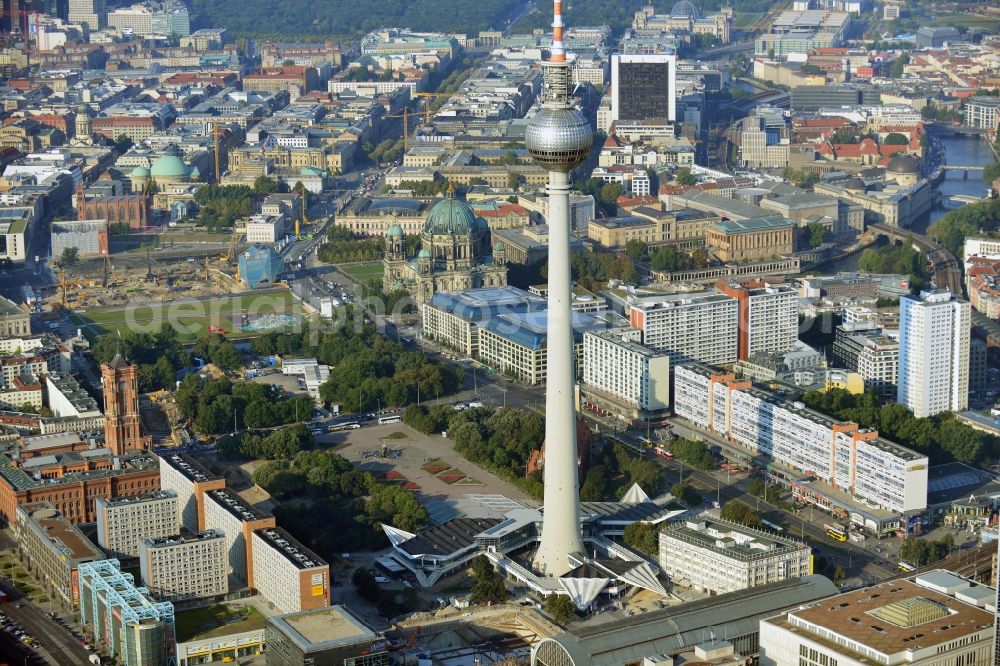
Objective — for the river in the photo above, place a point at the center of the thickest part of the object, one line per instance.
(959, 151)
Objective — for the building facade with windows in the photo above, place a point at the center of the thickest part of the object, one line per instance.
(870, 354)
(183, 475)
(288, 574)
(623, 375)
(690, 327)
(644, 87)
(137, 630)
(184, 566)
(717, 556)
(934, 334)
(768, 315)
(850, 459)
(122, 522)
(53, 549)
(226, 511)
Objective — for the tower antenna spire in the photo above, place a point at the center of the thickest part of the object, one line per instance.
(558, 54)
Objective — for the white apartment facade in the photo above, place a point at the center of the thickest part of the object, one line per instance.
(980, 247)
(616, 365)
(287, 574)
(690, 327)
(718, 556)
(227, 512)
(855, 461)
(123, 522)
(934, 334)
(184, 566)
(773, 319)
(189, 481)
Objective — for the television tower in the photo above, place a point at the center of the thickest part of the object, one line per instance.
(559, 138)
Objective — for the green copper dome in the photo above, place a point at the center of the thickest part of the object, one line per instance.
(140, 172)
(312, 172)
(450, 217)
(169, 166)
(424, 254)
(396, 230)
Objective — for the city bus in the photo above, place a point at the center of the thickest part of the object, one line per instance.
(662, 453)
(836, 532)
(856, 536)
(773, 526)
(906, 567)
(350, 425)
(391, 418)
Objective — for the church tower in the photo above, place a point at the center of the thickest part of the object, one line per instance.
(121, 406)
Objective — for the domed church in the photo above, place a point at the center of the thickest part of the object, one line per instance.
(455, 254)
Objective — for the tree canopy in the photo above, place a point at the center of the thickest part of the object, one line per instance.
(941, 438)
(978, 219)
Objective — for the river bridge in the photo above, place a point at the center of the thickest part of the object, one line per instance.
(947, 271)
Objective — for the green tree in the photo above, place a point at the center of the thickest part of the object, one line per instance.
(69, 258)
(514, 180)
(686, 493)
(123, 143)
(895, 139)
(899, 65)
(637, 249)
(560, 608)
(684, 177)
(817, 234)
(740, 512)
(991, 172)
(266, 185)
(642, 536)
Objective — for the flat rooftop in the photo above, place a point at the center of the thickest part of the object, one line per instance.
(185, 537)
(890, 618)
(138, 499)
(730, 539)
(323, 629)
(236, 506)
(294, 552)
(61, 532)
(754, 224)
(188, 467)
(448, 537)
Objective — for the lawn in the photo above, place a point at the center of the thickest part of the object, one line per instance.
(364, 272)
(397, 435)
(436, 467)
(217, 620)
(190, 318)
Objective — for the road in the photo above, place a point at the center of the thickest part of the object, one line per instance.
(59, 646)
(871, 559)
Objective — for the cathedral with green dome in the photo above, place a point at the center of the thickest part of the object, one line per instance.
(455, 254)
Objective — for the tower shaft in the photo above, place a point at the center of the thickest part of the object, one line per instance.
(561, 525)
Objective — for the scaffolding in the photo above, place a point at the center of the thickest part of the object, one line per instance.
(123, 616)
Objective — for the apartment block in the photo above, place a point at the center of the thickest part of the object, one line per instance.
(190, 481)
(122, 522)
(114, 612)
(717, 556)
(690, 327)
(870, 354)
(184, 566)
(850, 459)
(53, 549)
(288, 574)
(934, 334)
(237, 520)
(768, 315)
(623, 375)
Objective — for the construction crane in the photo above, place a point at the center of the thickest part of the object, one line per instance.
(427, 97)
(406, 125)
(215, 122)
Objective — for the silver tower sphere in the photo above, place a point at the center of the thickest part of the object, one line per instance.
(558, 137)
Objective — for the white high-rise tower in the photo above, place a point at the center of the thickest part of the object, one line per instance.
(934, 331)
(559, 138)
